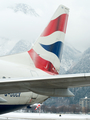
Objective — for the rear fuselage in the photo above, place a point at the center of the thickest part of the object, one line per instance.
(15, 101)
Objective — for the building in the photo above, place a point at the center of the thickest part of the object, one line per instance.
(84, 103)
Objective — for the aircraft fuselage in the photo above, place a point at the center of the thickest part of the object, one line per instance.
(15, 101)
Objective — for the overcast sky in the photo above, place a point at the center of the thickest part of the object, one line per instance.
(16, 26)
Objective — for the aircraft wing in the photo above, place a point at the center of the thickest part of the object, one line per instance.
(50, 86)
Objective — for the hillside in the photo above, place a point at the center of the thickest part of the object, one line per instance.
(24, 8)
(70, 57)
(83, 66)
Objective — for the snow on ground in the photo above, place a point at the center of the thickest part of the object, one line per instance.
(43, 116)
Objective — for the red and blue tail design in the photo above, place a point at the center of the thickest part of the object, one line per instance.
(55, 48)
(47, 51)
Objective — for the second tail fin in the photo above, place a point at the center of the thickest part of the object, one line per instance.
(47, 50)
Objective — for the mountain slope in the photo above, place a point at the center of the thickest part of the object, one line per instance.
(6, 45)
(83, 66)
(70, 57)
(21, 46)
(24, 8)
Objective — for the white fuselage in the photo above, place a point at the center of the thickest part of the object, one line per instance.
(18, 100)
(13, 70)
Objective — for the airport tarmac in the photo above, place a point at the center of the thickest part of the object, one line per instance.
(42, 116)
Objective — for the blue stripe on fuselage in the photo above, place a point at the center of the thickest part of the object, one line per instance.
(55, 48)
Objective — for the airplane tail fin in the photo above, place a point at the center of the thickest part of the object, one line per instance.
(47, 50)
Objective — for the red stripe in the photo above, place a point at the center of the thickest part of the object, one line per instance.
(42, 63)
(58, 24)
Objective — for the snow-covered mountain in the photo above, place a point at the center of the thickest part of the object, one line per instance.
(6, 45)
(21, 46)
(26, 9)
(70, 57)
(83, 65)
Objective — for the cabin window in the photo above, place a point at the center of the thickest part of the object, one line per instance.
(3, 77)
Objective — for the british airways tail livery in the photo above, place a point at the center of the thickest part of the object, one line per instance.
(47, 51)
(31, 77)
